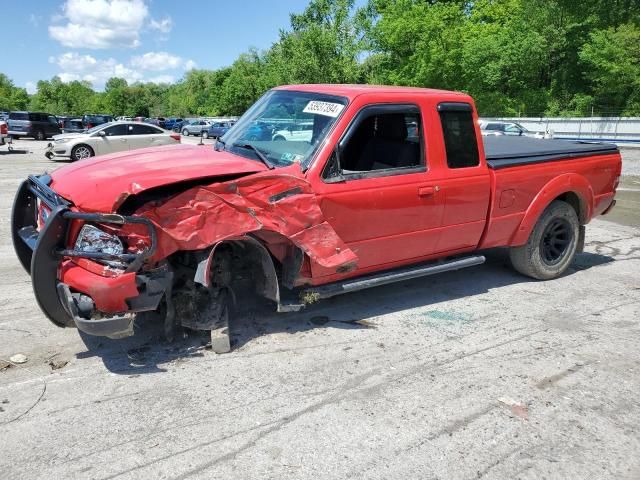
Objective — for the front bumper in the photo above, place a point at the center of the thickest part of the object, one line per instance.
(68, 294)
(57, 151)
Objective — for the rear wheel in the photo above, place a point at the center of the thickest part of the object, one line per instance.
(39, 135)
(552, 244)
(185, 132)
(81, 152)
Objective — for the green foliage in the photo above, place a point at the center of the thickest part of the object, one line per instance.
(613, 55)
(516, 57)
(12, 97)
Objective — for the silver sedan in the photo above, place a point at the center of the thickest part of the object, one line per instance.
(109, 138)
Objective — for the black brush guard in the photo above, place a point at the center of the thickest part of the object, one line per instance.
(40, 252)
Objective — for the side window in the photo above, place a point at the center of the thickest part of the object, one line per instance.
(142, 130)
(116, 130)
(459, 135)
(53, 120)
(383, 138)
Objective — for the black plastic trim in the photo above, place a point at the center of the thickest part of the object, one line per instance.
(454, 107)
(44, 268)
(23, 214)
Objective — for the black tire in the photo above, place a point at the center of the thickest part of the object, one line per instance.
(552, 244)
(39, 135)
(81, 152)
(185, 132)
(279, 138)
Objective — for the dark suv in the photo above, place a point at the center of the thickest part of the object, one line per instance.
(37, 125)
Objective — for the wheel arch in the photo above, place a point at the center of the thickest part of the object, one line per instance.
(571, 188)
(93, 150)
(267, 286)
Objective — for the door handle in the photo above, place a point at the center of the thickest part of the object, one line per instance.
(427, 191)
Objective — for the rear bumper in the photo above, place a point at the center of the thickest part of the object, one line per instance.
(72, 296)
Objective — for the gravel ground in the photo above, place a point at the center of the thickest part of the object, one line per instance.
(479, 373)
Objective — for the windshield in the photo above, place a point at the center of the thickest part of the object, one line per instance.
(284, 126)
(98, 128)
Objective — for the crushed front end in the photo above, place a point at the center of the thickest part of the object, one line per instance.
(83, 274)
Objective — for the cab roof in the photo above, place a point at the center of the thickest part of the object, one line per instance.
(351, 91)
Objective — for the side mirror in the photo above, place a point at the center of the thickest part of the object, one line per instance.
(102, 133)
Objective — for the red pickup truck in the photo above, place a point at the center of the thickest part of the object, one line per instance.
(379, 184)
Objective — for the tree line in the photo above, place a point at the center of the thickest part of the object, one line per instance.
(515, 57)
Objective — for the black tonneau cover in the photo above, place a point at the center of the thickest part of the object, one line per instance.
(504, 151)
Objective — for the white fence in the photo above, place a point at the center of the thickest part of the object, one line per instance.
(608, 129)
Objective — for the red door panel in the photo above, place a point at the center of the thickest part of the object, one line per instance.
(384, 219)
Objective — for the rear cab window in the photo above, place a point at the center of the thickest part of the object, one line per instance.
(459, 134)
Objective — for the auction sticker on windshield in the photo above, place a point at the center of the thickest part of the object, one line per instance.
(328, 109)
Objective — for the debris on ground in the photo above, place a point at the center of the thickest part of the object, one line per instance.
(517, 408)
(4, 365)
(19, 358)
(57, 364)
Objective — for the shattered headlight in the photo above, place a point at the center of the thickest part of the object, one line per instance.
(93, 240)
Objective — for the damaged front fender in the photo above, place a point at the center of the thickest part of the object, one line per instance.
(283, 203)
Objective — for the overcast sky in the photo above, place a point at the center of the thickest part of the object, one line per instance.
(146, 40)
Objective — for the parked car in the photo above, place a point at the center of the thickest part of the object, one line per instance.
(4, 132)
(38, 125)
(108, 138)
(177, 126)
(93, 120)
(295, 133)
(61, 119)
(492, 128)
(196, 127)
(186, 230)
(157, 121)
(217, 129)
(259, 131)
(171, 122)
(72, 125)
(4, 116)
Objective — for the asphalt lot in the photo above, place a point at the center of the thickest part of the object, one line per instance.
(479, 373)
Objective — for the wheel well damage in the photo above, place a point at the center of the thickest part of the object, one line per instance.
(274, 207)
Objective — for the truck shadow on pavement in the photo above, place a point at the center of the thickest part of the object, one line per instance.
(147, 352)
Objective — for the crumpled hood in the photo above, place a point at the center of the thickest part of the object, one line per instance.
(100, 183)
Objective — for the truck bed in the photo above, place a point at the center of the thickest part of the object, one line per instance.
(505, 151)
